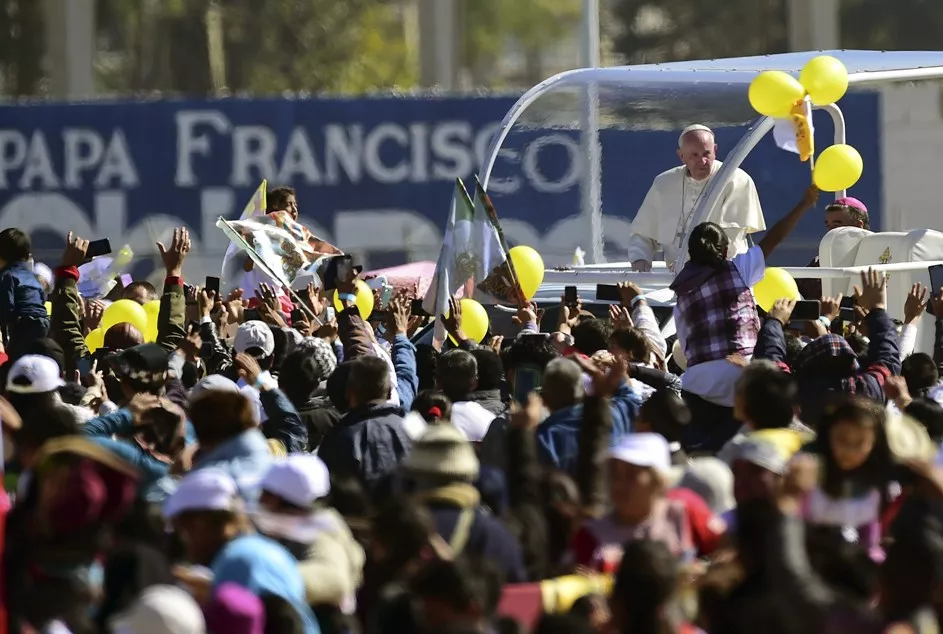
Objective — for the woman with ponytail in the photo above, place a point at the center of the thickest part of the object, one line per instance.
(718, 324)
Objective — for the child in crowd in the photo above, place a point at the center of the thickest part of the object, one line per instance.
(23, 316)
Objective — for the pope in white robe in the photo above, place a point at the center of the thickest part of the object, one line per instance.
(668, 209)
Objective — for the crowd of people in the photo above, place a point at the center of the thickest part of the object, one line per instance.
(279, 475)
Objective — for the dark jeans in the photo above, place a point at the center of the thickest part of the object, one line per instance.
(24, 332)
(711, 425)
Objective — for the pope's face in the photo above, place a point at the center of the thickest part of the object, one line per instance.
(698, 152)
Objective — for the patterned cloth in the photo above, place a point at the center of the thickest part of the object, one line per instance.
(826, 347)
(720, 314)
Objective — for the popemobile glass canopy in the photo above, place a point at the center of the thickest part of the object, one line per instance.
(670, 96)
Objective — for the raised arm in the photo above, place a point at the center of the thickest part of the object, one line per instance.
(784, 227)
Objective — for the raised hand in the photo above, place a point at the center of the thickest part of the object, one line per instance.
(915, 303)
(174, 256)
(75, 251)
(873, 292)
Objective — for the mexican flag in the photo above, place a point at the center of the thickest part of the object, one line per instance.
(472, 251)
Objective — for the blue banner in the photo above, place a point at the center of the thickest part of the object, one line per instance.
(374, 176)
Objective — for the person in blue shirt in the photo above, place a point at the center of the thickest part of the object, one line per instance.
(23, 316)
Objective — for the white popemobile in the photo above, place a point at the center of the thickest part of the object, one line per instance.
(671, 96)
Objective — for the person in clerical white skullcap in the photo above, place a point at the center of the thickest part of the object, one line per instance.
(697, 127)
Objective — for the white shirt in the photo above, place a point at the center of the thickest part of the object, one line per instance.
(714, 380)
(471, 419)
(668, 209)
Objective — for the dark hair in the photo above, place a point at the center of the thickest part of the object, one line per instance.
(769, 395)
(277, 198)
(856, 214)
(490, 370)
(15, 246)
(72, 393)
(564, 623)
(217, 415)
(53, 420)
(708, 245)
(592, 335)
(457, 374)
(369, 379)
(427, 358)
(646, 580)
(634, 342)
(150, 293)
(462, 583)
(428, 401)
(930, 414)
(281, 617)
(667, 413)
(337, 386)
(858, 343)
(403, 528)
(299, 377)
(862, 412)
(530, 350)
(794, 346)
(920, 373)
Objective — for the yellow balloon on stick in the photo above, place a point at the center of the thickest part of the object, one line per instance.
(529, 267)
(774, 93)
(125, 311)
(364, 299)
(837, 168)
(825, 78)
(776, 284)
(95, 339)
(474, 320)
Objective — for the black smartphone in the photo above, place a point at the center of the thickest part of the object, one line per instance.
(527, 379)
(84, 365)
(98, 247)
(569, 296)
(415, 307)
(608, 293)
(807, 310)
(252, 314)
(298, 316)
(936, 283)
(211, 285)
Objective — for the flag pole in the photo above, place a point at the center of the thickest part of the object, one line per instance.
(241, 242)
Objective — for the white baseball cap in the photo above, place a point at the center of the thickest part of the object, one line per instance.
(203, 490)
(643, 450)
(300, 479)
(34, 374)
(161, 609)
(254, 334)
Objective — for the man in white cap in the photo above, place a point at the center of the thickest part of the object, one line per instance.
(668, 208)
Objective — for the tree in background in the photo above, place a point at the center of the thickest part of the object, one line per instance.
(648, 31)
(902, 25)
(21, 46)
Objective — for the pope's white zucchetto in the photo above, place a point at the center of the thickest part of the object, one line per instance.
(693, 128)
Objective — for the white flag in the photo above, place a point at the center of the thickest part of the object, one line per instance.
(784, 132)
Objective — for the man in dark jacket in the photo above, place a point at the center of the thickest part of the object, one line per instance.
(302, 378)
(488, 393)
(828, 364)
(369, 441)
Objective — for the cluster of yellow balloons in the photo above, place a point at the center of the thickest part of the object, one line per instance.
(776, 284)
(824, 80)
(126, 311)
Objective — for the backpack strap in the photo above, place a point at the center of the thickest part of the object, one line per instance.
(462, 530)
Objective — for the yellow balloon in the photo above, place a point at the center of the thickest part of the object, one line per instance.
(825, 79)
(776, 284)
(529, 267)
(774, 92)
(49, 308)
(95, 339)
(125, 311)
(152, 309)
(474, 320)
(364, 299)
(837, 168)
